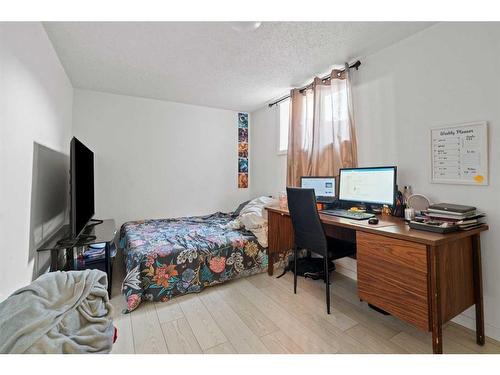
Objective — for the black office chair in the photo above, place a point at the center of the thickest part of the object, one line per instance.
(310, 234)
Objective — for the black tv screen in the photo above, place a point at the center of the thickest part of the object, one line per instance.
(81, 186)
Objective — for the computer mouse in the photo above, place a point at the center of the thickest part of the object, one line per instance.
(373, 221)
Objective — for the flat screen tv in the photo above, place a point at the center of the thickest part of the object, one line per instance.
(81, 186)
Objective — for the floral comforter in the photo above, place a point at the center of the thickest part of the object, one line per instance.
(169, 257)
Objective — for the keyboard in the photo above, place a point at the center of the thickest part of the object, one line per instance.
(348, 214)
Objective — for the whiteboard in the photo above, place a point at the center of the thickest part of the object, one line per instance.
(459, 154)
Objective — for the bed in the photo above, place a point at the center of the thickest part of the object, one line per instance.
(165, 258)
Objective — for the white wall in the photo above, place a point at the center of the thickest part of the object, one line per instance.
(445, 74)
(35, 109)
(158, 159)
(268, 170)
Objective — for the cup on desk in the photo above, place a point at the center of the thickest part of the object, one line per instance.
(409, 214)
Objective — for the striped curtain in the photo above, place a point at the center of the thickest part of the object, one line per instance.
(322, 135)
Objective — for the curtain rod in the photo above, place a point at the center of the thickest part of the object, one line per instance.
(354, 65)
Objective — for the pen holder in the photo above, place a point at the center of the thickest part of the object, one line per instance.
(409, 214)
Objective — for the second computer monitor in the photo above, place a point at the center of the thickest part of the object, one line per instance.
(324, 187)
(372, 186)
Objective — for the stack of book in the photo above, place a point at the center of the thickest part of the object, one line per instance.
(91, 254)
(455, 215)
(95, 251)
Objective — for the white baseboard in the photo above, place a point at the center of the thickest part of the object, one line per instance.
(470, 322)
(347, 267)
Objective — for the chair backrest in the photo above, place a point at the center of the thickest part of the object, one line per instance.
(307, 226)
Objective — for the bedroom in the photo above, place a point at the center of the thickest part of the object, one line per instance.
(183, 129)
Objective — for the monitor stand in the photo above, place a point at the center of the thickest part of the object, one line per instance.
(374, 209)
(93, 222)
(329, 205)
(369, 208)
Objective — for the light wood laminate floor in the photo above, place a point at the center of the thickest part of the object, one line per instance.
(260, 314)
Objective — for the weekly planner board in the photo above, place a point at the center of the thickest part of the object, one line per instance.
(459, 154)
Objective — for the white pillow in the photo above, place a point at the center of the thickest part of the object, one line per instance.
(253, 217)
(257, 206)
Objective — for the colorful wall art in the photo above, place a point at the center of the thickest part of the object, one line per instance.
(243, 150)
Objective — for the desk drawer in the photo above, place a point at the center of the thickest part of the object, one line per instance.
(392, 275)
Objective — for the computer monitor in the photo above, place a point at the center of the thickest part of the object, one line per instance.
(371, 186)
(324, 187)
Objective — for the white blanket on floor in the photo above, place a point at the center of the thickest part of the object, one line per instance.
(60, 312)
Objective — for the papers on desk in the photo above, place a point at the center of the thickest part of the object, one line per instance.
(444, 222)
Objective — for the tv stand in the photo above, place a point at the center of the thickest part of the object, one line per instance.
(102, 231)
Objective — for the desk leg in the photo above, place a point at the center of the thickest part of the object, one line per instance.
(270, 263)
(478, 288)
(435, 296)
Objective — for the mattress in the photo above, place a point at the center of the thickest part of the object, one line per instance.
(165, 258)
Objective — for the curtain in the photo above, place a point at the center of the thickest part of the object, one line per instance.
(322, 136)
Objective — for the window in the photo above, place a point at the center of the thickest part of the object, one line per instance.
(284, 119)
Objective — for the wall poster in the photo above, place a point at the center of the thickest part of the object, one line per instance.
(459, 154)
(243, 150)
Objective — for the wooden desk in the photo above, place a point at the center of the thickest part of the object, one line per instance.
(423, 278)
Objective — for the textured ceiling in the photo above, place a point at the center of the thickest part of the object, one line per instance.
(210, 63)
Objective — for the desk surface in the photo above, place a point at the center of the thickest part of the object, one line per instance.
(392, 227)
